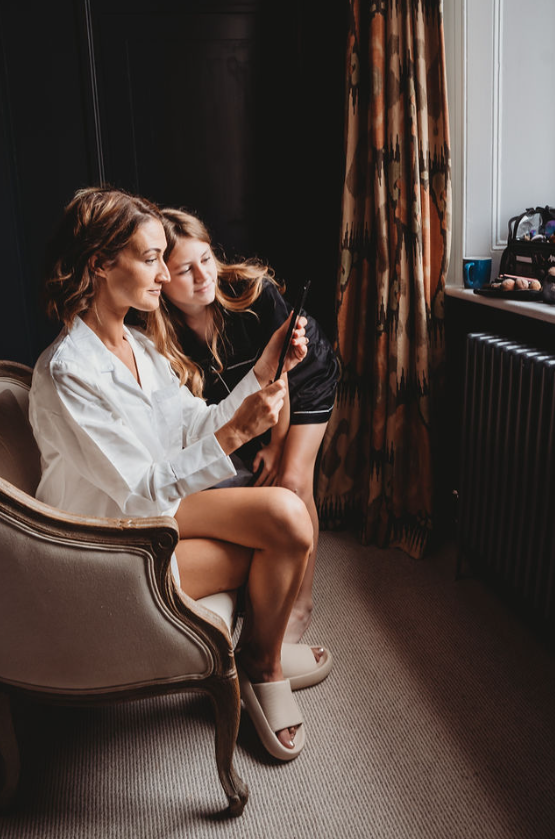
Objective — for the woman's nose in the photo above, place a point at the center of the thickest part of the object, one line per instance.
(163, 274)
(201, 274)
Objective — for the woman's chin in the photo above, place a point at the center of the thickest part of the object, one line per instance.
(149, 305)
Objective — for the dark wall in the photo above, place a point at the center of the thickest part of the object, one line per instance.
(231, 109)
(45, 154)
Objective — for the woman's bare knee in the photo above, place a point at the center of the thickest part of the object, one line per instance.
(259, 517)
(291, 521)
(299, 483)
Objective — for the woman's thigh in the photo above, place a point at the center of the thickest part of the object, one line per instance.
(299, 455)
(207, 566)
(220, 528)
(255, 517)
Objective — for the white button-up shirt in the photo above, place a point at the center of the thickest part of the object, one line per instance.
(112, 447)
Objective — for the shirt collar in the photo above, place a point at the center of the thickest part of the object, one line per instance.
(89, 342)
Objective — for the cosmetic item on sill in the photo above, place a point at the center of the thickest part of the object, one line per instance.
(549, 287)
(530, 249)
(550, 231)
(513, 287)
(508, 282)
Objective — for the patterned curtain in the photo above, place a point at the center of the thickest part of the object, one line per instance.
(379, 458)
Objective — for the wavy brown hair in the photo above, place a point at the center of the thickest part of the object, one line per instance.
(245, 279)
(99, 222)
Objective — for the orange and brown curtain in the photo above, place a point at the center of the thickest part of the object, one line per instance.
(378, 462)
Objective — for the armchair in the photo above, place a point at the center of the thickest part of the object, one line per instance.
(89, 611)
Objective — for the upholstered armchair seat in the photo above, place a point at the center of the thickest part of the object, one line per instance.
(89, 608)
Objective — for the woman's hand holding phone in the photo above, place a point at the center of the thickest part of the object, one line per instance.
(288, 340)
(256, 414)
(296, 347)
(287, 346)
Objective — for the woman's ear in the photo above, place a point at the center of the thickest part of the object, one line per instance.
(95, 266)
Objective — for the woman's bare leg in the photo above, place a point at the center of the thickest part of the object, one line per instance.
(297, 474)
(260, 536)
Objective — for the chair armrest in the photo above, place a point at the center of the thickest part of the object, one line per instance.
(145, 543)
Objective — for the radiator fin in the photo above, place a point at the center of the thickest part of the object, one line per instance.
(506, 522)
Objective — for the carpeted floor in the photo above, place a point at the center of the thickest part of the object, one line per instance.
(437, 722)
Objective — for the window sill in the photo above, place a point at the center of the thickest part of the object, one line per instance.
(539, 311)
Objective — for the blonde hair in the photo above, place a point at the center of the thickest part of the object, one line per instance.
(100, 222)
(245, 278)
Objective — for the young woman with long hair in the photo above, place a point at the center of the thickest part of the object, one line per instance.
(121, 434)
(221, 314)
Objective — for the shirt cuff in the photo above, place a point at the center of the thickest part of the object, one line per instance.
(200, 465)
(248, 384)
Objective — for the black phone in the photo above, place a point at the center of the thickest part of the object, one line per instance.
(299, 303)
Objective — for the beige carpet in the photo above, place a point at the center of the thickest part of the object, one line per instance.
(437, 722)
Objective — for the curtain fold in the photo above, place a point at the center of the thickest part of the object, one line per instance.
(380, 452)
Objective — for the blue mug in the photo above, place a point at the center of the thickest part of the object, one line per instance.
(476, 271)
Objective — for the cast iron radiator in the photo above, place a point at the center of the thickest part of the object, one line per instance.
(506, 507)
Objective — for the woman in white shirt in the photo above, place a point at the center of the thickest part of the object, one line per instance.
(121, 434)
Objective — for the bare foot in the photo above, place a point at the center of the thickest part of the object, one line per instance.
(257, 674)
(287, 737)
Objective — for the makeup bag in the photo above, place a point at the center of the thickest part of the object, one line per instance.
(530, 250)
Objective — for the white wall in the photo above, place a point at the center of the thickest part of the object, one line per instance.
(501, 71)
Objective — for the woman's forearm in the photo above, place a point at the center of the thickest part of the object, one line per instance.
(280, 429)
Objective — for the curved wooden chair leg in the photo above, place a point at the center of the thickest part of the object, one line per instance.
(227, 708)
(9, 754)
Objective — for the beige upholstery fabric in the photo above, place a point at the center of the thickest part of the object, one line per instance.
(89, 608)
(224, 604)
(82, 617)
(19, 456)
(87, 618)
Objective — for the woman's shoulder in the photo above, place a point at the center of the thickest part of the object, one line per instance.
(258, 291)
(272, 288)
(73, 346)
(271, 298)
(257, 311)
(67, 359)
